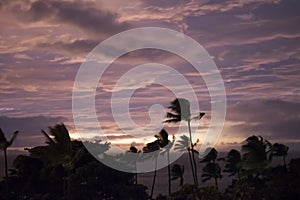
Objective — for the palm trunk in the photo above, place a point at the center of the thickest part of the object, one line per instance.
(238, 175)
(284, 162)
(6, 173)
(69, 185)
(181, 181)
(154, 179)
(193, 154)
(169, 172)
(135, 174)
(136, 178)
(216, 183)
(192, 166)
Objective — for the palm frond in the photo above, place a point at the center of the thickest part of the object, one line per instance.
(2, 137)
(198, 117)
(211, 154)
(180, 110)
(182, 144)
(49, 140)
(14, 137)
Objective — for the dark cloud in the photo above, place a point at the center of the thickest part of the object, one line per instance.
(3, 3)
(80, 14)
(29, 128)
(286, 8)
(164, 3)
(245, 23)
(275, 119)
(112, 137)
(74, 47)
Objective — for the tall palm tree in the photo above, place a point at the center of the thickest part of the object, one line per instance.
(233, 164)
(257, 154)
(183, 144)
(177, 171)
(153, 147)
(59, 151)
(211, 169)
(280, 150)
(180, 110)
(164, 142)
(4, 144)
(133, 149)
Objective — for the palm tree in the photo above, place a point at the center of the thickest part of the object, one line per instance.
(177, 171)
(164, 142)
(257, 154)
(211, 155)
(4, 144)
(211, 169)
(184, 145)
(180, 110)
(59, 151)
(233, 164)
(133, 149)
(280, 150)
(153, 147)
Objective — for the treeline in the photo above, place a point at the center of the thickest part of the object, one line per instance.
(64, 169)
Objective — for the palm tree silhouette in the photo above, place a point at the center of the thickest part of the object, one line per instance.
(180, 110)
(233, 164)
(177, 172)
(153, 147)
(164, 142)
(211, 169)
(280, 150)
(161, 141)
(133, 149)
(4, 144)
(59, 151)
(183, 144)
(257, 154)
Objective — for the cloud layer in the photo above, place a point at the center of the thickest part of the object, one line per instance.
(255, 45)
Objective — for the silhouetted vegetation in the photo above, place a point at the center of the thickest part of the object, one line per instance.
(4, 144)
(64, 169)
(177, 172)
(212, 169)
(180, 110)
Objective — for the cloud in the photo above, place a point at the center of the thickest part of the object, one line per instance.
(83, 15)
(165, 4)
(274, 119)
(254, 43)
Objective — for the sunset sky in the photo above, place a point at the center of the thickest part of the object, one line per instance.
(254, 43)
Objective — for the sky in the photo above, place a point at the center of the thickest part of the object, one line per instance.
(254, 43)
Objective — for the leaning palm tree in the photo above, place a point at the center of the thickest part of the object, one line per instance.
(153, 147)
(133, 149)
(280, 150)
(164, 142)
(4, 144)
(211, 169)
(59, 151)
(233, 164)
(180, 110)
(182, 145)
(257, 155)
(177, 172)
